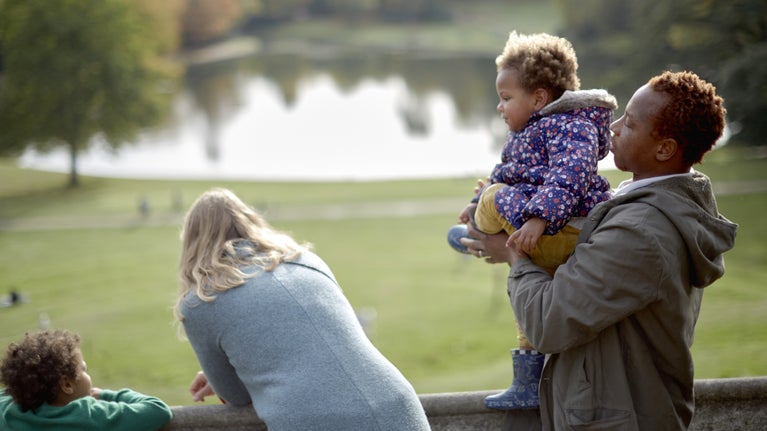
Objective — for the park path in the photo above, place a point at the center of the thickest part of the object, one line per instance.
(339, 211)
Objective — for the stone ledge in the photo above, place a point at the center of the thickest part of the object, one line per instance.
(721, 405)
(730, 404)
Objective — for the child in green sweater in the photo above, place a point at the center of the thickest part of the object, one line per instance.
(47, 386)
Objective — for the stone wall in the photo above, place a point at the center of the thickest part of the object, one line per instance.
(721, 405)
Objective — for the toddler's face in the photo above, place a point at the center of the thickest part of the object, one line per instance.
(515, 104)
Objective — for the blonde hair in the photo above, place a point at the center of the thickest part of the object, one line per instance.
(221, 234)
(542, 60)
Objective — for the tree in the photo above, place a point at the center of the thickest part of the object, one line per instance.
(75, 70)
(729, 40)
(205, 21)
(621, 44)
(744, 81)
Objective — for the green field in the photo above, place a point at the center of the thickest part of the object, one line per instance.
(87, 260)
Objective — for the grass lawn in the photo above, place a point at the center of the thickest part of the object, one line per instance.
(88, 262)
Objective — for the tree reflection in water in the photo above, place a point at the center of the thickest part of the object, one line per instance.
(321, 117)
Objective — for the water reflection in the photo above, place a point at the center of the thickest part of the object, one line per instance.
(321, 117)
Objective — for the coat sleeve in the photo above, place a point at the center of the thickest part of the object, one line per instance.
(127, 410)
(217, 367)
(611, 275)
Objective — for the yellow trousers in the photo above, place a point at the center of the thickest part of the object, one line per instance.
(550, 251)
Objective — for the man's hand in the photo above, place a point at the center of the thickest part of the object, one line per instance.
(467, 210)
(491, 247)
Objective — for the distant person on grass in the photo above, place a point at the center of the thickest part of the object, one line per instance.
(617, 320)
(47, 386)
(547, 179)
(271, 327)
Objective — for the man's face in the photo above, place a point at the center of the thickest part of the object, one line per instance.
(634, 145)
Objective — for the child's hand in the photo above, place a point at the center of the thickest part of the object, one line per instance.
(527, 236)
(200, 388)
(95, 392)
(480, 186)
(463, 217)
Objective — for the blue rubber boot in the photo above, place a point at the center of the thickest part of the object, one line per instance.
(458, 231)
(454, 235)
(523, 392)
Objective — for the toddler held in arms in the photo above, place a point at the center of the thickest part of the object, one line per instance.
(547, 181)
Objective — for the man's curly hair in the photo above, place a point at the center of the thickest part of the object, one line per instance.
(694, 115)
(33, 367)
(542, 60)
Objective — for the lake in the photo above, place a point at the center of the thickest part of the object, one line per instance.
(327, 117)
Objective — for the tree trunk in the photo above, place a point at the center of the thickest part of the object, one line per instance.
(74, 179)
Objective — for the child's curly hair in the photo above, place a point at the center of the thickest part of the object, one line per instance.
(33, 367)
(694, 115)
(542, 60)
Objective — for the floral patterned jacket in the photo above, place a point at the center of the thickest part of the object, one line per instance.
(550, 166)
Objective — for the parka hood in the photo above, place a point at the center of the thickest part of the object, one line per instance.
(594, 105)
(579, 99)
(706, 240)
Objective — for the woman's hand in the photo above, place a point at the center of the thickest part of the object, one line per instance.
(200, 388)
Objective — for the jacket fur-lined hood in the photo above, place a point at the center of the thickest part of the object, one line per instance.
(595, 106)
(579, 99)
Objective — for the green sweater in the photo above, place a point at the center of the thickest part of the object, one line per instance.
(114, 410)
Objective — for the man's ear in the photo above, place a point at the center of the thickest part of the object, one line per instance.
(667, 149)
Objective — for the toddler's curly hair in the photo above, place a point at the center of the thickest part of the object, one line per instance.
(694, 115)
(542, 60)
(33, 367)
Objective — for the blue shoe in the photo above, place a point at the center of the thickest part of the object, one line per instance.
(456, 232)
(454, 235)
(523, 392)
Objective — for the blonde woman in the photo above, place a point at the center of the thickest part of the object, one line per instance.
(270, 326)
